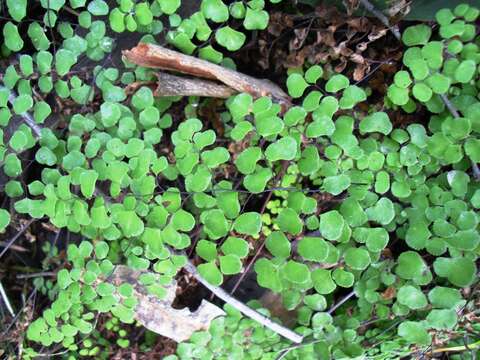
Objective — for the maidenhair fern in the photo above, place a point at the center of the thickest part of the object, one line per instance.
(356, 207)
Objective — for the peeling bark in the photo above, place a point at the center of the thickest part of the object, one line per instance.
(172, 85)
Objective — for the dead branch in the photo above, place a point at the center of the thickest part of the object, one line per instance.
(14, 247)
(172, 85)
(39, 274)
(158, 57)
(222, 294)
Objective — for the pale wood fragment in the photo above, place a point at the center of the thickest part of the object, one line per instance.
(158, 315)
(172, 85)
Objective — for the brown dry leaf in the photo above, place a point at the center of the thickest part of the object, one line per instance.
(341, 66)
(158, 315)
(351, 44)
(235, 148)
(339, 40)
(357, 59)
(359, 24)
(387, 253)
(377, 81)
(377, 33)
(389, 293)
(360, 71)
(325, 37)
(296, 59)
(278, 22)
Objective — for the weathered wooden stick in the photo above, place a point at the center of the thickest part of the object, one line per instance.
(158, 57)
(172, 85)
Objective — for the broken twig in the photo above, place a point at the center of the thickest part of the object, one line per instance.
(453, 110)
(158, 57)
(172, 85)
(14, 247)
(35, 275)
(222, 294)
(283, 353)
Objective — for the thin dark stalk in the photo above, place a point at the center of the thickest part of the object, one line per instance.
(284, 352)
(381, 16)
(35, 275)
(26, 116)
(14, 247)
(259, 250)
(30, 297)
(17, 235)
(453, 110)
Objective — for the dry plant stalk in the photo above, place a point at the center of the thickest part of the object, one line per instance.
(244, 309)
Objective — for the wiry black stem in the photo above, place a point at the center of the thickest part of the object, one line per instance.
(381, 16)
